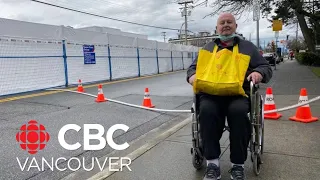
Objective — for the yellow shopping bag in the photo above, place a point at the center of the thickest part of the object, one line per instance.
(221, 73)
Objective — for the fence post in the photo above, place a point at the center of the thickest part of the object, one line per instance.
(110, 69)
(157, 57)
(182, 60)
(192, 57)
(65, 62)
(138, 56)
(171, 62)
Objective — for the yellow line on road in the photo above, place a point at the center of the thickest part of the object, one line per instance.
(85, 86)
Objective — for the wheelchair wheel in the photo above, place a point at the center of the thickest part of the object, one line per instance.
(259, 125)
(197, 160)
(257, 152)
(257, 163)
(262, 124)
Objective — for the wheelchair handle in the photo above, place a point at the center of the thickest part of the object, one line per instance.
(253, 88)
(253, 85)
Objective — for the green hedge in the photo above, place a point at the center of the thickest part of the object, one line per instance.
(308, 58)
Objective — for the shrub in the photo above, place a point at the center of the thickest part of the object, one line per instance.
(308, 58)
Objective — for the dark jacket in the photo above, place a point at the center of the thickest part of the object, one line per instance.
(257, 62)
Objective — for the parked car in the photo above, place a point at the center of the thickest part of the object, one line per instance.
(271, 58)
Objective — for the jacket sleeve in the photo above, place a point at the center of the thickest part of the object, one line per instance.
(261, 65)
(192, 68)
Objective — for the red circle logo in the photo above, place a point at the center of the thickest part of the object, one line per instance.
(32, 137)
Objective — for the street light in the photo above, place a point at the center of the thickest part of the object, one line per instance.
(256, 17)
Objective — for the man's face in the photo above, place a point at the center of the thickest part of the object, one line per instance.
(226, 25)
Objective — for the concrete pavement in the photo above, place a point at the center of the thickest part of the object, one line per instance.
(292, 149)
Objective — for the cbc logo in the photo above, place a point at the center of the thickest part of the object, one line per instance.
(32, 137)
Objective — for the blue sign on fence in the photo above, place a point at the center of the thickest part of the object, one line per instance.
(89, 54)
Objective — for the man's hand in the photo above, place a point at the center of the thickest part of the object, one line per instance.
(255, 77)
(191, 79)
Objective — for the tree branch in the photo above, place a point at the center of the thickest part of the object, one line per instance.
(237, 7)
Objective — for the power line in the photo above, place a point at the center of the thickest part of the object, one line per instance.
(70, 9)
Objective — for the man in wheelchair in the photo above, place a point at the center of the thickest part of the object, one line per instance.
(220, 76)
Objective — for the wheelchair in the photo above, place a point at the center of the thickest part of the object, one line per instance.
(256, 117)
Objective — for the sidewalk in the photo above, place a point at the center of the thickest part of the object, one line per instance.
(292, 149)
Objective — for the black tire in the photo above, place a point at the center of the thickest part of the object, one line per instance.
(252, 156)
(257, 155)
(197, 160)
(256, 164)
(262, 123)
(262, 141)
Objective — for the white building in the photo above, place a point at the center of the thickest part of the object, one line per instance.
(16, 28)
(113, 31)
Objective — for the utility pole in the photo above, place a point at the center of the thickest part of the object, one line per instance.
(258, 42)
(185, 14)
(164, 36)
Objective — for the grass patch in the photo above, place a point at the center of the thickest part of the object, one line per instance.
(316, 70)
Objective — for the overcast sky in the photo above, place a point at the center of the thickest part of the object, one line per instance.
(162, 13)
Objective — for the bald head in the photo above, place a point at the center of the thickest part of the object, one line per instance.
(226, 24)
(226, 15)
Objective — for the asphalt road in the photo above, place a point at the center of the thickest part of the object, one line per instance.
(56, 110)
(290, 146)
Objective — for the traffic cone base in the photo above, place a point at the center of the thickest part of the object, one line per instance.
(309, 120)
(100, 98)
(80, 89)
(149, 105)
(272, 116)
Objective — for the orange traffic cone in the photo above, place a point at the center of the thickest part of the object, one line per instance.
(270, 105)
(80, 88)
(100, 97)
(147, 100)
(303, 113)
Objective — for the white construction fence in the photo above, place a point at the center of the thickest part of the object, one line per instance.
(28, 64)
